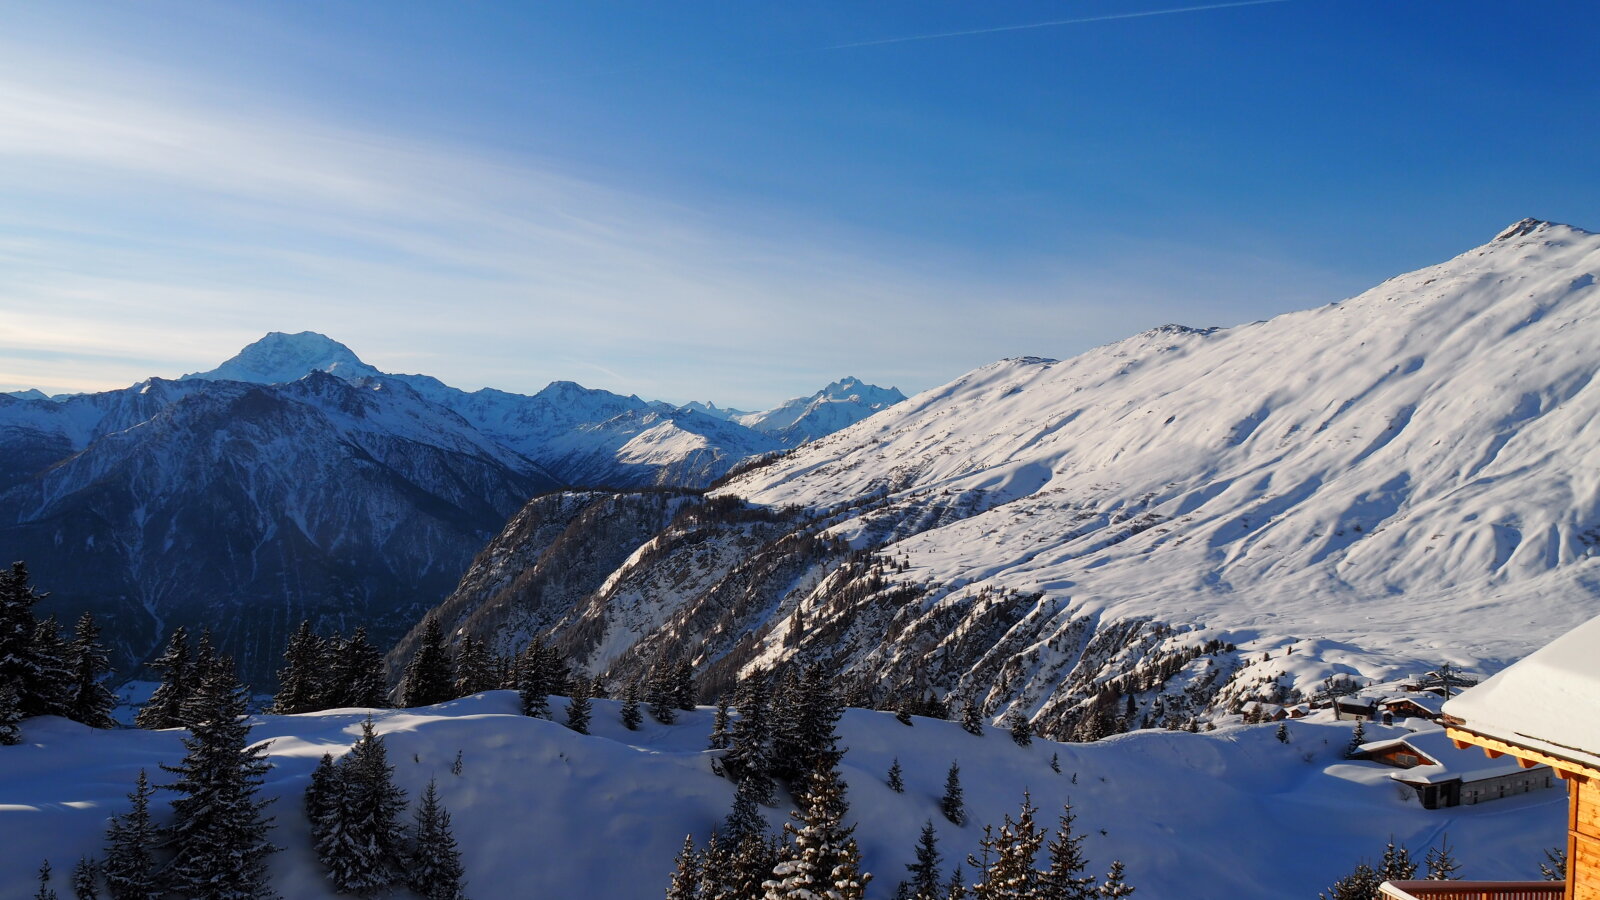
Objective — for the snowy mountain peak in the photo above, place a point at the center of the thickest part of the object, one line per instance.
(1532, 226)
(278, 358)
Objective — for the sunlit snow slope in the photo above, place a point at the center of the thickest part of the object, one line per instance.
(1414, 471)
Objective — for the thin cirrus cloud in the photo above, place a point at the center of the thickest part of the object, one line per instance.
(148, 232)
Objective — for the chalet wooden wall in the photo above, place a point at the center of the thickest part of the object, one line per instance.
(1583, 840)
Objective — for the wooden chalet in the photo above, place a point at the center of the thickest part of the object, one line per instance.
(1545, 710)
(1444, 775)
(1421, 706)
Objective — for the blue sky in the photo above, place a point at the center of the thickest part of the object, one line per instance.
(743, 201)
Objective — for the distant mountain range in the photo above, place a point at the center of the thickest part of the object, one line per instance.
(1373, 487)
(296, 481)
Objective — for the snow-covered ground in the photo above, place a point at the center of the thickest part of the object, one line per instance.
(541, 811)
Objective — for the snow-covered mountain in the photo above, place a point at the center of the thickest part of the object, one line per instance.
(295, 480)
(839, 405)
(541, 811)
(1403, 478)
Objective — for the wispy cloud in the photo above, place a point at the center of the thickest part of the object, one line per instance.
(147, 229)
(1052, 23)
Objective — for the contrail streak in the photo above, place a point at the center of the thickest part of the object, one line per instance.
(1051, 24)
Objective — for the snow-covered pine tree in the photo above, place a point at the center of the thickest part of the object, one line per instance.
(533, 681)
(10, 714)
(218, 836)
(685, 884)
(1282, 733)
(720, 737)
(951, 803)
(749, 757)
(130, 866)
(631, 718)
(300, 681)
(474, 672)
(1055, 763)
(19, 664)
(579, 709)
(1064, 880)
(358, 674)
(429, 677)
(1361, 884)
(661, 693)
(896, 781)
(1397, 863)
(821, 859)
(433, 866)
(902, 714)
(1114, 884)
(176, 666)
(363, 846)
(1441, 861)
(86, 879)
(597, 688)
(956, 887)
(1554, 866)
(45, 891)
(1357, 737)
(88, 699)
(1021, 728)
(715, 867)
(744, 818)
(207, 666)
(924, 881)
(1012, 875)
(324, 795)
(52, 691)
(971, 718)
(683, 692)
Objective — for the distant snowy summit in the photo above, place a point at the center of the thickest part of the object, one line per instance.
(279, 358)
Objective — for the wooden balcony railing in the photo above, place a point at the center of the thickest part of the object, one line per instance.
(1472, 890)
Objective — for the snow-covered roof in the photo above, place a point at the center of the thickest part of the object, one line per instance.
(1430, 702)
(1549, 702)
(1467, 765)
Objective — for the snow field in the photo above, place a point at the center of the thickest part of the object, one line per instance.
(541, 811)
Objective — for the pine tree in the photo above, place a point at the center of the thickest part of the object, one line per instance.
(805, 714)
(86, 879)
(54, 665)
(10, 715)
(88, 699)
(1361, 884)
(683, 693)
(429, 677)
(597, 688)
(363, 843)
(300, 681)
(822, 859)
(130, 867)
(720, 736)
(1012, 875)
(434, 863)
(971, 719)
(19, 660)
(685, 884)
(579, 709)
(744, 818)
(1055, 763)
(1113, 885)
(207, 667)
(1441, 861)
(715, 866)
(218, 839)
(358, 674)
(956, 887)
(1554, 868)
(750, 756)
(1283, 733)
(474, 669)
(903, 713)
(45, 891)
(324, 798)
(630, 707)
(951, 804)
(896, 781)
(1397, 863)
(661, 694)
(924, 881)
(534, 681)
(1357, 738)
(1064, 880)
(1021, 728)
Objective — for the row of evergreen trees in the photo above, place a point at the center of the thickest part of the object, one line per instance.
(42, 674)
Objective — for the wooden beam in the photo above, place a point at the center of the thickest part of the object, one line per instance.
(1566, 769)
